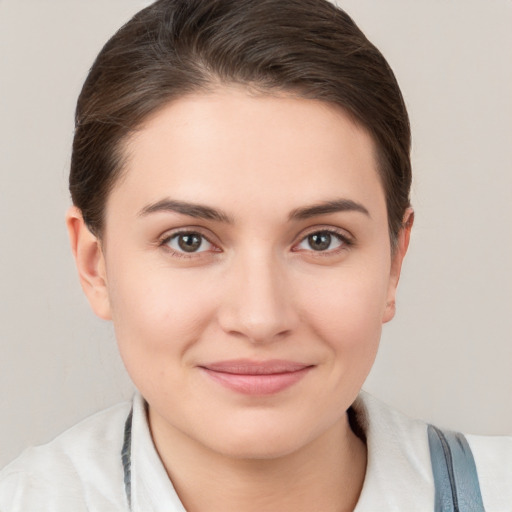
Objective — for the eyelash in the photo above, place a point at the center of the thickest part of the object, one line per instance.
(164, 241)
(346, 243)
(342, 237)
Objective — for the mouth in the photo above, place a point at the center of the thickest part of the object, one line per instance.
(256, 377)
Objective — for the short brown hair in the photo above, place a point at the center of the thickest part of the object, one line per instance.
(176, 47)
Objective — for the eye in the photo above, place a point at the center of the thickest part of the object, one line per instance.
(188, 242)
(323, 241)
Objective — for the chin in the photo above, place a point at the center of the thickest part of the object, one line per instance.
(261, 438)
(260, 447)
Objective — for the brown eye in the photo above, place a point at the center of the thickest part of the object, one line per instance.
(320, 241)
(189, 243)
(323, 241)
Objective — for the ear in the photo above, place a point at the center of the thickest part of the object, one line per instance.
(90, 263)
(396, 264)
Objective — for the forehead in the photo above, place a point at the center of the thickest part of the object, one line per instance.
(236, 147)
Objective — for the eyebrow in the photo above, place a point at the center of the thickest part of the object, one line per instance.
(326, 207)
(191, 209)
(208, 213)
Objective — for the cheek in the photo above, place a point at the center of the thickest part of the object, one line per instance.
(157, 314)
(346, 308)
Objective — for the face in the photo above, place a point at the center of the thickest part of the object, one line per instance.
(246, 266)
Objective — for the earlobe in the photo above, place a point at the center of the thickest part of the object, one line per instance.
(90, 263)
(396, 264)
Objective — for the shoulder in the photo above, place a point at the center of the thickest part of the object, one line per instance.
(83, 464)
(493, 459)
(398, 445)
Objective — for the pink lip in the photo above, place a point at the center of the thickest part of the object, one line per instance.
(256, 377)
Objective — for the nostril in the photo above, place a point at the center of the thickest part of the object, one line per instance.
(257, 329)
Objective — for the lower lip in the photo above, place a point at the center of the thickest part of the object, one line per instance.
(257, 384)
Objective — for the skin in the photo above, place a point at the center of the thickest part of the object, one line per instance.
(256, 289)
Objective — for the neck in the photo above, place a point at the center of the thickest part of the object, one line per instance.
(327, 474)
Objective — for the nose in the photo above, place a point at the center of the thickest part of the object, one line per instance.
(257, 302)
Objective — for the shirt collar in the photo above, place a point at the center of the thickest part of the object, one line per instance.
(398, 474)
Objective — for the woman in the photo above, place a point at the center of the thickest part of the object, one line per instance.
(240, 179)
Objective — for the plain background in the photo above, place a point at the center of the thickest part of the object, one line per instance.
(447, 355)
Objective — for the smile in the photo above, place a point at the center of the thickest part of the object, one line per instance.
(256, 378)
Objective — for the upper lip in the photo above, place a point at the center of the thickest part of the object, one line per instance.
(250, 367)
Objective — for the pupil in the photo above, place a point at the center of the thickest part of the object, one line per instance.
(189, 243)
(319, 241)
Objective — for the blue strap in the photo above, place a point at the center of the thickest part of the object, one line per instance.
(455, 476)
(126, 457)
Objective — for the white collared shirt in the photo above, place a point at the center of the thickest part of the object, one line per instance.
(83, 469)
